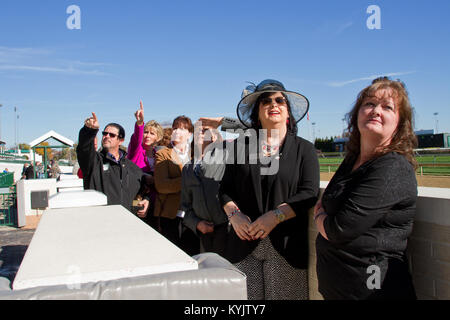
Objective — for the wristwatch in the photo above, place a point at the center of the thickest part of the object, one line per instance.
(279, 214)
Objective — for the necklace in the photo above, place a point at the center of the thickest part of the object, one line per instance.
(269, 150)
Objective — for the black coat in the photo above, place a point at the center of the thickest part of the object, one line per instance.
(296, 183)
(199, 194)
(29, 172)
(120, 182)
(370, 216)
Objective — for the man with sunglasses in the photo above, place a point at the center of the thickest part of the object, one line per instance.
(108, 170)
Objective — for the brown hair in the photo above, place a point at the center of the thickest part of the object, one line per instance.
(185, 122)
(404, 139)
(167, 135)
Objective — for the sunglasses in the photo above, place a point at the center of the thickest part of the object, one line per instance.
(112, 135)
(278, 100)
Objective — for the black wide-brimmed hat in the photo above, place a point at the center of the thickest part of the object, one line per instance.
(299, 104)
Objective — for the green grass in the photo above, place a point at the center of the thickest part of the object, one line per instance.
(438, 171)
(433, 159)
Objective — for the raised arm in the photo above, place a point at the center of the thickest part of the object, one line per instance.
(224, 122)
(85, 148)
(135, 145)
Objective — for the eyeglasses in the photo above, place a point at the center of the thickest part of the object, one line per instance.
(112, 135)
(278, 100)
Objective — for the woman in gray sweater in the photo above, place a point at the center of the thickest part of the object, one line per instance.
(200, 185)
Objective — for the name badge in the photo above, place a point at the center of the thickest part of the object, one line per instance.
(106, 167)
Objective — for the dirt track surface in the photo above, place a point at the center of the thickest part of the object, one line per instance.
(424, 181)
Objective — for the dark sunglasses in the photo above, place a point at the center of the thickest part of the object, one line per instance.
(112, 135)
(278, 100)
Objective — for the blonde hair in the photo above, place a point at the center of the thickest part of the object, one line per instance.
(157, 127)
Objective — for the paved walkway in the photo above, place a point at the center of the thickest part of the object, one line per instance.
(13, 245)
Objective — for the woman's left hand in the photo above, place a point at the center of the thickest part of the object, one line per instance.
(143, 212)
(262, 226)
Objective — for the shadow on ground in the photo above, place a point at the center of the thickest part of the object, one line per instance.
(13, 246)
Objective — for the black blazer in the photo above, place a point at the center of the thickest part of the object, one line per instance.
(296, 183)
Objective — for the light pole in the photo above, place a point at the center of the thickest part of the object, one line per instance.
(15, 127)
(436, 121)
(314, 132)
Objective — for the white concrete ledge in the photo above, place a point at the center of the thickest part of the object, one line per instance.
(91, 244)
(69, 183)
(77, 198)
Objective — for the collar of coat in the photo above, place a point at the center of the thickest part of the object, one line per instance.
(110, 157)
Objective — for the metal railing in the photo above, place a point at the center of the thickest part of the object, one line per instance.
(8, 208)
(424, 169)
(6, 179)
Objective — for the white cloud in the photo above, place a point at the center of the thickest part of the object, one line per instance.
(344, 27)
(33, 59)
(68, 70)
(372, 77)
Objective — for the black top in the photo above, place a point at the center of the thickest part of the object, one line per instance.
(29, 172)
(121, 181)
(294, 180)
(370, 216)
(200, 186)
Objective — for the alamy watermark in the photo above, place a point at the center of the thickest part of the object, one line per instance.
(73, 281)
(74, 20)
(247, 148)
(374, 20)
(374, 280)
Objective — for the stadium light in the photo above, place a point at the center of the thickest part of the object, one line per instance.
(436, 121)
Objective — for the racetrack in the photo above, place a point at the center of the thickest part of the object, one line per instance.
(422, 181)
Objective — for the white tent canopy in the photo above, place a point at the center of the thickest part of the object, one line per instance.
(54, 135)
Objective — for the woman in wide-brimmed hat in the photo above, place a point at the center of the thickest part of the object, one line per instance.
(267, 198)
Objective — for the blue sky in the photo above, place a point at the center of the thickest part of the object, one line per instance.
(194, 58)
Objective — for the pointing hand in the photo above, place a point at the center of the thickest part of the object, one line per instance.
(140, 115)
(92, 122)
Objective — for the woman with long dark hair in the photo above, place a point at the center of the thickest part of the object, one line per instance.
(366, 213)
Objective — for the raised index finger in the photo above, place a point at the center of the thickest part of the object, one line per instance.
(94, 116)
(141, 105)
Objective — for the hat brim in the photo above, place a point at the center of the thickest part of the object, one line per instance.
(299, 106)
